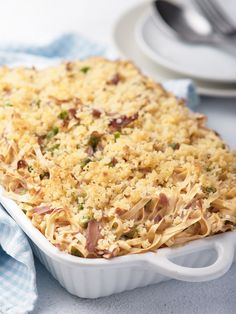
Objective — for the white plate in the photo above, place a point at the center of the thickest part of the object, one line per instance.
(198, 61)
(125, 42)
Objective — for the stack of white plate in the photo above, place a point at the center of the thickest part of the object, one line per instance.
(138, 37)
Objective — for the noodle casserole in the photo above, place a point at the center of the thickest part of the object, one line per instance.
(105, 162)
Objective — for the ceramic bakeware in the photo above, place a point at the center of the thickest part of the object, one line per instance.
(200, 260)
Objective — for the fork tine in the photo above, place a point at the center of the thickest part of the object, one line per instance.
(213, 17)
(204, 7)
(228, 24)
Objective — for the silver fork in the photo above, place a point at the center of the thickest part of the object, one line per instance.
(217, 17)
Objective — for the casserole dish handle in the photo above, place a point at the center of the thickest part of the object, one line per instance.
(163, 262)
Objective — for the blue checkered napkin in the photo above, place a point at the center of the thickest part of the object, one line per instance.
(17, 273)
(66, 47)
(185, 89)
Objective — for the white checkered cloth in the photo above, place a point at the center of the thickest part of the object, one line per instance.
(17, 274)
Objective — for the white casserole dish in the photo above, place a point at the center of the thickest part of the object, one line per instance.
(203, 260)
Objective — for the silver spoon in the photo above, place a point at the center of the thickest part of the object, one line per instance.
(189, 25)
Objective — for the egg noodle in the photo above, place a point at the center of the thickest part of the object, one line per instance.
(105, 162)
